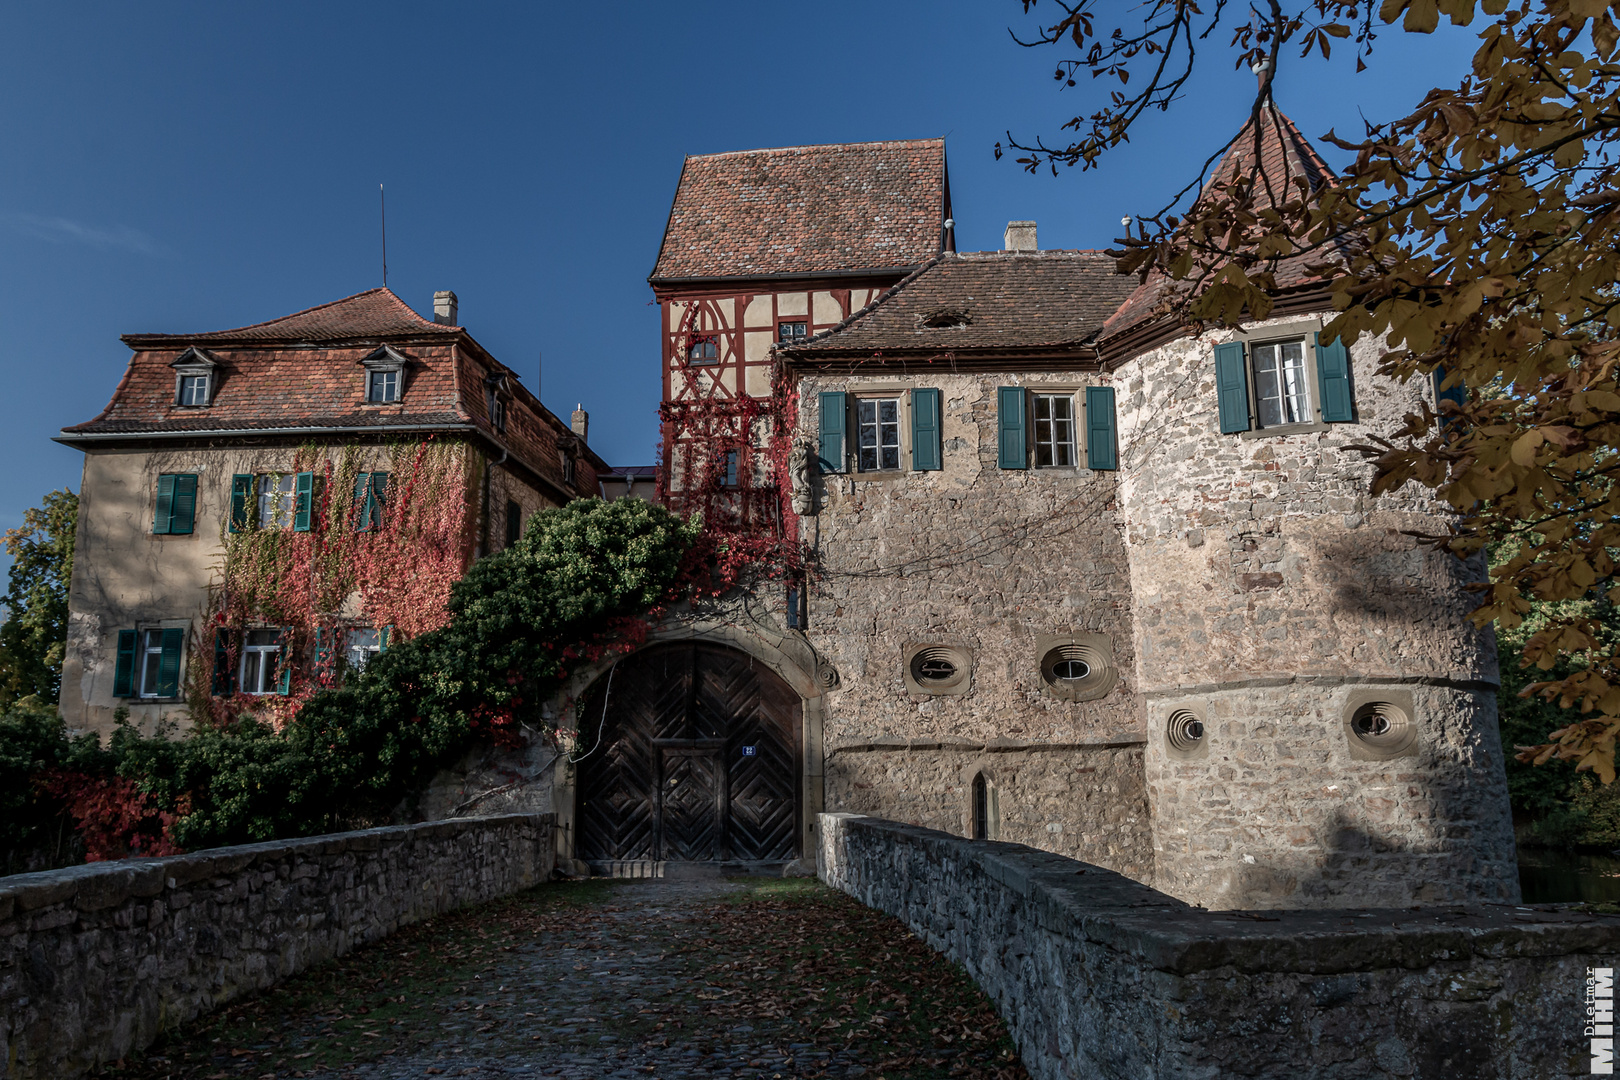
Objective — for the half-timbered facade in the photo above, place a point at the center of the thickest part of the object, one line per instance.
(765, 247)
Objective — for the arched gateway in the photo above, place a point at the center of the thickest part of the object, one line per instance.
(699, 759)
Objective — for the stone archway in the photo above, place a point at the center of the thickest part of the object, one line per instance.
(695, 753)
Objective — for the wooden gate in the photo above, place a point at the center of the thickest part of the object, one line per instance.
(697, 759)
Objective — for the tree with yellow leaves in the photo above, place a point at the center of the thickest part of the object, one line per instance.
(1479, 237)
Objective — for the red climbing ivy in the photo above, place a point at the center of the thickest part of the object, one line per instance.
(396, 572)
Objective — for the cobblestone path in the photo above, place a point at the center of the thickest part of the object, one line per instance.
(672, 980)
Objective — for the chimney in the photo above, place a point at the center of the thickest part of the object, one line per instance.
(444, 307)
(580, 422)
(1020, 236)
(1262, 72)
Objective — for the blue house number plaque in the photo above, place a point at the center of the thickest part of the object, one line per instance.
(750, 751)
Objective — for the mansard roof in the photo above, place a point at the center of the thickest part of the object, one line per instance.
(1001, 301)
(806, 210)
(375, 313)
(305, 375)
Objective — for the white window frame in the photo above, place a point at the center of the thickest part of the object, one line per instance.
(1301, 396)
(1303, 331)
(194, 363)
(387, 379)
(149, 648)
(194, 389)
(876, 400)
(384, 361)
(268, 660)
(1072, 444)
(277, 498)
(358, 649)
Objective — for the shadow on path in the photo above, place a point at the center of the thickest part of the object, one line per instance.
(669, 979)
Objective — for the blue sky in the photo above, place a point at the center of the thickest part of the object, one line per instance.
(186, 167)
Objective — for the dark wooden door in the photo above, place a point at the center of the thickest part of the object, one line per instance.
(692, 755)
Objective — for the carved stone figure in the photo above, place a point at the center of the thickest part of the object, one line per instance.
(801, 471)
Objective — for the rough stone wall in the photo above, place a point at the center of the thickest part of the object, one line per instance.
(1102, 978)
(96, 960)
(1268, 585)
(989, 559)
(1084, 802)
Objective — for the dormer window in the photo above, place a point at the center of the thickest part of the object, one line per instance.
(385, 376)
(383, 387)
(495, 397)
(194, 372)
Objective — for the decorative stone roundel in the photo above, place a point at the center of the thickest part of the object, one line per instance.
(1383, 729)
(1077, 667)
(1184, 730)
(938, 669)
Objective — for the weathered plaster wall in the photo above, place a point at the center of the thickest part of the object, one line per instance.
(990, 560)
(1102, 978)
(1267, 585)
(97, 960)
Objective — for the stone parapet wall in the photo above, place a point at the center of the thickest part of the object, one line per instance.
(1100, 977)
(1086, 802)
(97, 960)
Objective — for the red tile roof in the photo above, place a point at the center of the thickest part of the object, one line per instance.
(994, 300)
(373, 314)
(1285, 155)
(806, 209)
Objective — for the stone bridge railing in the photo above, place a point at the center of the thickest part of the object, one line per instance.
(1100, 977)
(96, 960)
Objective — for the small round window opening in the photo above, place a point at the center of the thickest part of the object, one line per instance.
(1383, 729)
(1184, 731)
(1071, 670)
(933, 667)
(934, 670)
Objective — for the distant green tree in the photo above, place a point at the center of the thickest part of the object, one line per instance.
(33, 639)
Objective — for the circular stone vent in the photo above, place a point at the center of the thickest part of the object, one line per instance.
(1077, 671)
(938, 669)
(1383, 728)
(1184, 730)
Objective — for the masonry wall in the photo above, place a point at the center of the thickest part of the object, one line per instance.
(1272, 595)
(1100, 978)
(97, 960)
(992, 561)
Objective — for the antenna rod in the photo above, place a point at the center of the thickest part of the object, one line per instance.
(382, 201)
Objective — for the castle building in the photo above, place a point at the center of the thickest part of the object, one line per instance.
(1078, 577)
(301, 442)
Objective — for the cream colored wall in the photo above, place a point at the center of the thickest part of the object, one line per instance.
(126, 578)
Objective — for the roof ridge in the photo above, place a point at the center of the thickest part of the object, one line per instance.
(892, 290)
(381, 294)
(933, 140)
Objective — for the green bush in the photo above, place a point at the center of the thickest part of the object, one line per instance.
(581, 580)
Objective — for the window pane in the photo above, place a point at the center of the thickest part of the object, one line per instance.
(1054, 430)
(362, 645)
(250, 671)
(151, 661)
(1280, 385)
(194, 390)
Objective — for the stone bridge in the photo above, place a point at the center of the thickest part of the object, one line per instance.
(1094, 974)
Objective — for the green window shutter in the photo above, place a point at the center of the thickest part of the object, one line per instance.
(241, 502)
(362, 499)
(1232, 387)
(1457, 394)
(183, 514)
(1102, 440)
(377, 500)
(222, 662)
(124, 669)
(1011, 451)
(834, 437)
(1333, 376)
(163, 513)
(284, 678)
(382, 639)
(926, 451)
(304, 502)
(168, 682)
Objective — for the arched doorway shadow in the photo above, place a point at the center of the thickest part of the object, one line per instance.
(690, 752)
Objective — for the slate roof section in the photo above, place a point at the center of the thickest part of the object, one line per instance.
(805, 210)
(1284, 155)
(370, 315)
(1024, 301)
